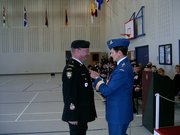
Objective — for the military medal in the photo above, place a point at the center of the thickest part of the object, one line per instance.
(72, 107)
(123, 65)
(85, 84)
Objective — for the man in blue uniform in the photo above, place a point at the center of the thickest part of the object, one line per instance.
(78, 95)
(118, 89)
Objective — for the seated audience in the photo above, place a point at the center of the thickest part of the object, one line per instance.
(161, 71)
(154, 69)
(137, 89)
(148, 67)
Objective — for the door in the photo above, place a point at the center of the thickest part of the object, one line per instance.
(142, 55)
(68, 56)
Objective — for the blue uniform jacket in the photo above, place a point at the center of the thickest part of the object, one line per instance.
(118, 93)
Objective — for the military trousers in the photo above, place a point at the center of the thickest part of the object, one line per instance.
(79, 129)
(117, 129)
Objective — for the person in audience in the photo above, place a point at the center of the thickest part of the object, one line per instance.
(161, 71)
(177, 80)
(148, 67)
(154, 69)
(137, 89)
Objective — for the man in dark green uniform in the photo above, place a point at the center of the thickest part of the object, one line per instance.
(78, 95)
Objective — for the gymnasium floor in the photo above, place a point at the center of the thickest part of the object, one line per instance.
(33, 104)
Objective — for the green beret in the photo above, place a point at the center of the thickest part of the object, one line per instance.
(80, 44)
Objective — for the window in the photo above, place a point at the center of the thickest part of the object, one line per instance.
(165, 54)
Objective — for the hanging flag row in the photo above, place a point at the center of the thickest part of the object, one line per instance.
(95, 7)
(25, 17)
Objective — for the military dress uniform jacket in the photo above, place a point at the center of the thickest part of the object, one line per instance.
(118, 93)
(78, 94)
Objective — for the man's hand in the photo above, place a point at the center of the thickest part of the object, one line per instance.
(94, 74)
(73, 122)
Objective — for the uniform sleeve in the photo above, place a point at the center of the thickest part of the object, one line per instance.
(70, 92)
(118, 80)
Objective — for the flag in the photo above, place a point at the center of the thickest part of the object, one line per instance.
(96, 9)
(46, 18)
(96, 13)
(25, 17)
(66, 18)
(92, 8)
(4, 16)
(92, 11)
(99, 2)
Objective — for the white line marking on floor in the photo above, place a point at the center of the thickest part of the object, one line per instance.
(48, 80)
(42, 113)
(40, 120)
(37, 113)
(27, 106)
(31, 120)
(31, 113)
(31, 84)
(3, 83)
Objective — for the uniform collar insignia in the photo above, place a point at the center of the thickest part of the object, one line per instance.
(111, 42)
(123, 65)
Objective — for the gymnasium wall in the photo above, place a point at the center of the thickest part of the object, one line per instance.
(161, 26)
(41, 49)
